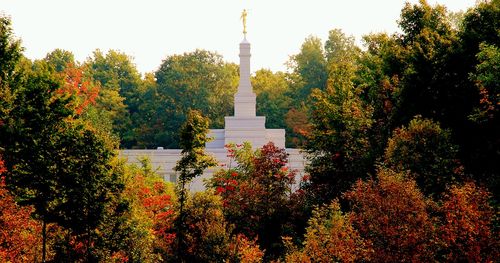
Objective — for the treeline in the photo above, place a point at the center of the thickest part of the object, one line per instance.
(402, 136)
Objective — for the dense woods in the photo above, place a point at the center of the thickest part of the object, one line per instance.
(402, 135)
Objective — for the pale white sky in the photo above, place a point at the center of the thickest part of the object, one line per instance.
(150, 30)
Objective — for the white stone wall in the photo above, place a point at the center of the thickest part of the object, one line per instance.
(164, 161)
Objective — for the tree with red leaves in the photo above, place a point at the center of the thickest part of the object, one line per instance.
(76, 84)
(391, 213)
(18, 232)
(467, 233)
(256, 193)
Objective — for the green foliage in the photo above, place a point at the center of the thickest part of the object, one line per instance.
(207, 238)
(10, 56)
(487, 79)
(59, 59)
(198, 80)
(120, 81)
(340, 48)
(193, 137)
(425, 150)
(309, 68)
(10, 51)
(428, 42)
(338, 139)
(272, 100)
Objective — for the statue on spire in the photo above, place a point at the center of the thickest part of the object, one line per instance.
(244, 19)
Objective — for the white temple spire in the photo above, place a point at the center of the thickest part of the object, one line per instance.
(244, 99)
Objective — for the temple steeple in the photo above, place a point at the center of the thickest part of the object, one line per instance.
(245, 126)
(244, 99)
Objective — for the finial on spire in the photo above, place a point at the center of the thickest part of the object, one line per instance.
(244, 19)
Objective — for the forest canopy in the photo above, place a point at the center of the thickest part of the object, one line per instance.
(401, 135)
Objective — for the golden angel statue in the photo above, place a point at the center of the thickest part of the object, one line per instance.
(244, 19)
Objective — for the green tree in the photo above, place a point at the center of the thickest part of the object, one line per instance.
(340, 48)
(478, 140)
(35, 118)
(198, 80)
(120, 84)
(309, 67)
(272, 100)
(208, 233)
(378, 76)
(425, 150)
(338, 141)
(194, 160)
(487, 79)
(60, 59)
(10, 56)
(55, 161)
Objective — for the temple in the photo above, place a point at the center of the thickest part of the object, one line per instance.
(244, 126)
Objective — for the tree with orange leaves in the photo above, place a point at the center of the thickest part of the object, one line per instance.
(391, 213)
(76, 84)
(330, 237)
(18, 231)
(467, 232)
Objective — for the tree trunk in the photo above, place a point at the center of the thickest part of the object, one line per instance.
(44, 239)
(180, 228)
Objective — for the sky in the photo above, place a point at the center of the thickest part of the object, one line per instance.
(151, 30)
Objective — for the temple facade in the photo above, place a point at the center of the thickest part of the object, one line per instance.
(244, 126)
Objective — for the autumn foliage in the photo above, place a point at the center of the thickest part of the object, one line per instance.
(76, 84)
(391, 213)
(255, 192)
(18, 231)
(330, 236)
(390, 220)
(467, 232)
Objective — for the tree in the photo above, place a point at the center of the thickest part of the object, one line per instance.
(207, 235)
(330, 237)
(120, 83)
(467, 232)
(149, 229)
(390, 213)
(378, 76)
(56, 162)
(18, 231)
(255, 193)
(88, 184)
(310, 67)
(75, 84)
(35, 115)
(340, 48)
(198, 80)
(60, 59)
(337, 142)
(193, 137)
(478, 140)
(487, 79)
(272, 100)
(10, 56)
(425, 150)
